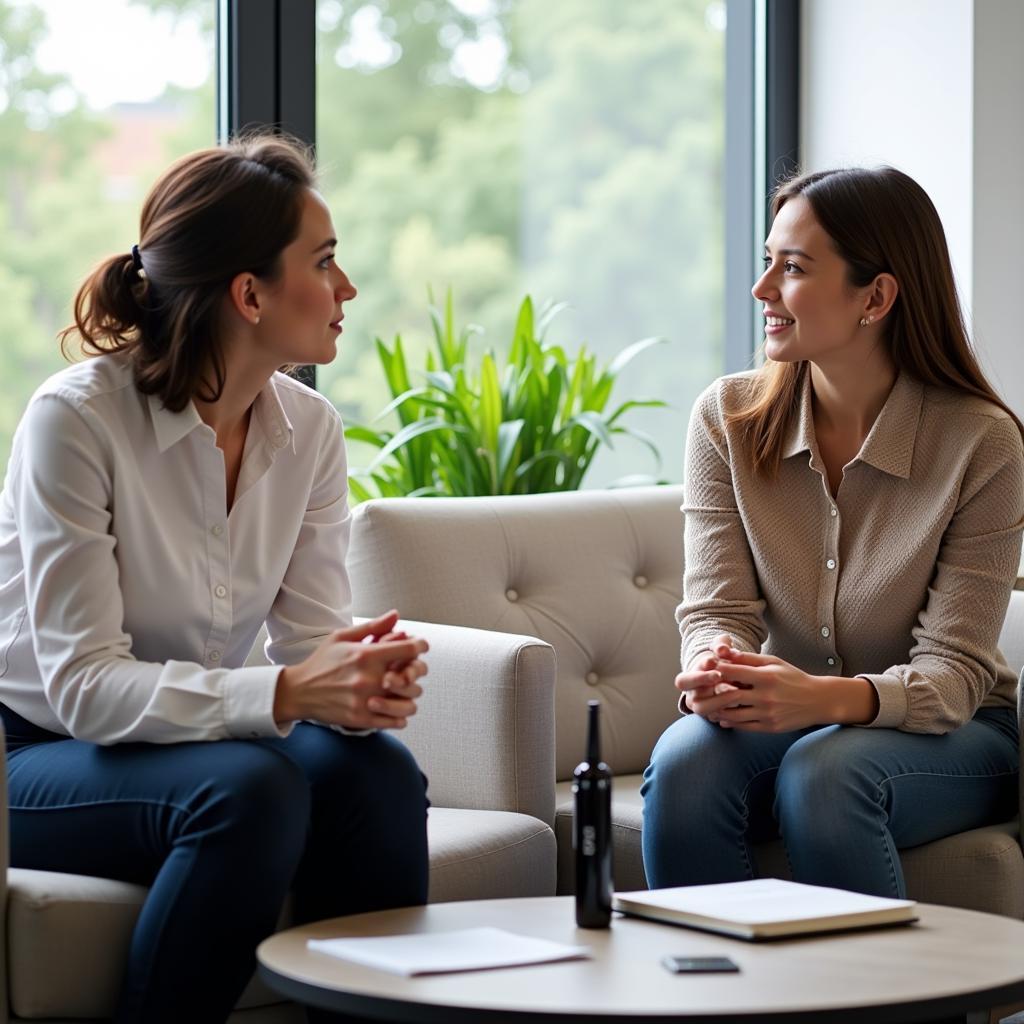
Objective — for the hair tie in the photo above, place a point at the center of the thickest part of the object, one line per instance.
(140, 271)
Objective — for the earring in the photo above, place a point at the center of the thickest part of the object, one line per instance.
(865, 320)
(257, 320)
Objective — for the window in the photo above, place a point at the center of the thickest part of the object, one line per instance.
(95, 99)
(572, 150)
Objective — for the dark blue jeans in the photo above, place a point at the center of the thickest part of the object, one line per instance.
(220, 832)
(844, 799)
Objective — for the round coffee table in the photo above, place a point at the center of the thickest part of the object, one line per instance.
(950, 963)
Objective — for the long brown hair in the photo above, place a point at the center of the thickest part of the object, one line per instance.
(212, 215)
(880, 221)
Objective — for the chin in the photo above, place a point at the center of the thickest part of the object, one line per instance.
(779, 352)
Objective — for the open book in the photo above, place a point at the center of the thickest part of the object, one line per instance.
(765, 908)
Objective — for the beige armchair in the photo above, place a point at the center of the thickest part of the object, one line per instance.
(597, 574)
(485, 739)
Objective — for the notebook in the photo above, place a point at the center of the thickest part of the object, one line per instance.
(765, 908)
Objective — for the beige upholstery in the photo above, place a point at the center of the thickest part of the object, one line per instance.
(489, 831)
(598, 574)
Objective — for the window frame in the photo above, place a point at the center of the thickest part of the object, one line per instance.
(266, 76)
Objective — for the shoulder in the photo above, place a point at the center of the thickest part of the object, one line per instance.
(964, 421)
(81, 384)
(724, 396)
(307, 409)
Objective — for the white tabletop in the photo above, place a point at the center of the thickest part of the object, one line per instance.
(950, 962)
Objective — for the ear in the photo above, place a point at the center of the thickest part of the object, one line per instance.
(246, 298)
(881, 294)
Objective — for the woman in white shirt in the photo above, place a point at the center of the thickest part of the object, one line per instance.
(163, 500)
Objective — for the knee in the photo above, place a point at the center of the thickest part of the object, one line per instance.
(256, 793)
(822, 772)
(389, 766)
(690, 752)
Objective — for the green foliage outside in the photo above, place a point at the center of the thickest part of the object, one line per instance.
(588, 170)
(532, 425)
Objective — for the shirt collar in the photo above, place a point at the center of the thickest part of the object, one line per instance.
(889, 445)
(170, 427)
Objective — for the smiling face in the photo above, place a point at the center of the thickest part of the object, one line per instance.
(811, 310)
(301, 313)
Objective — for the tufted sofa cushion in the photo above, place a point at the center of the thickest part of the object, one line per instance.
(596, 574)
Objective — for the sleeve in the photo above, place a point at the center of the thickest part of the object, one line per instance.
(720, 589)
(62, 497)
(315, 596)
(953, 665)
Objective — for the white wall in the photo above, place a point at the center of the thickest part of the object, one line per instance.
(933, 87)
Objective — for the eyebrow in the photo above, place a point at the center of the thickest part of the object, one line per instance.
(791, 252)
(331, 243)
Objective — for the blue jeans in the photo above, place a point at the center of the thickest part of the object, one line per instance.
(844, 799)
(220, 832)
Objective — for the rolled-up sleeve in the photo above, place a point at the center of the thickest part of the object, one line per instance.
(62, 496)
(952, 663)
(720, 589)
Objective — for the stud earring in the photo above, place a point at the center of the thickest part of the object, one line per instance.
(257, 320)
(865, 320)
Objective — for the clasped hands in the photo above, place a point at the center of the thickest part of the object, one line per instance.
(750, 692)
(362, 677)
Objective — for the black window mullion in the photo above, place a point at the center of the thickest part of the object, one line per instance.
(266, 74)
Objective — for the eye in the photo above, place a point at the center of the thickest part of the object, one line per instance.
(792, 268)
(766, 261)
(324, 264)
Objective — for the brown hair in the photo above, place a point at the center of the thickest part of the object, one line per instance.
(880, 221)
(212, 215)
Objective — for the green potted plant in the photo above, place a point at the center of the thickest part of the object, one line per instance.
(532, 425)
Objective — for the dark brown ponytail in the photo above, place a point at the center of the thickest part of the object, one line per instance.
(214, 214)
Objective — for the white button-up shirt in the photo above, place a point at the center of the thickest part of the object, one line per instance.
(129, 598)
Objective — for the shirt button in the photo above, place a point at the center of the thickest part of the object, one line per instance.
(220, 590)
(831, 563)
(512, 595)
(640, 581)
(592, 678)
(214, 656)
(217, 530)
(825, 631)
(835, 511)
(830, 661)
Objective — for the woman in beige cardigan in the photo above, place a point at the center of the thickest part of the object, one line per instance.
(853, 531)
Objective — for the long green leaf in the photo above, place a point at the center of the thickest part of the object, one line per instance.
(630, 352)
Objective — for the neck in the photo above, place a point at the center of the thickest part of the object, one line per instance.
(243, 381)
(849, 396)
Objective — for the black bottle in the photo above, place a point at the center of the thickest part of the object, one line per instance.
(592, 830)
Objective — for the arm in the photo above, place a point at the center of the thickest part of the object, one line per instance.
(720, 589)
(60, 481)
(952, 665)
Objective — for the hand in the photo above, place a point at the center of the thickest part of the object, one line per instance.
(762, 693)
(357, 678)
(400, 676)
(704, 679)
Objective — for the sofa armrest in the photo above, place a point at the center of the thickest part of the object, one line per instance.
(484, 733)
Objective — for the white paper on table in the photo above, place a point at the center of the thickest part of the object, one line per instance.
(471, 949)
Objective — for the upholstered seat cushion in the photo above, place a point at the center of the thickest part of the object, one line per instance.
(68, 935)
(980, 870)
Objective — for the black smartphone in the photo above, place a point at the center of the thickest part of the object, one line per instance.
(699, 964)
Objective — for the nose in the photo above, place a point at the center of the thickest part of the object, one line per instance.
(764, 289)
(344, 290)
